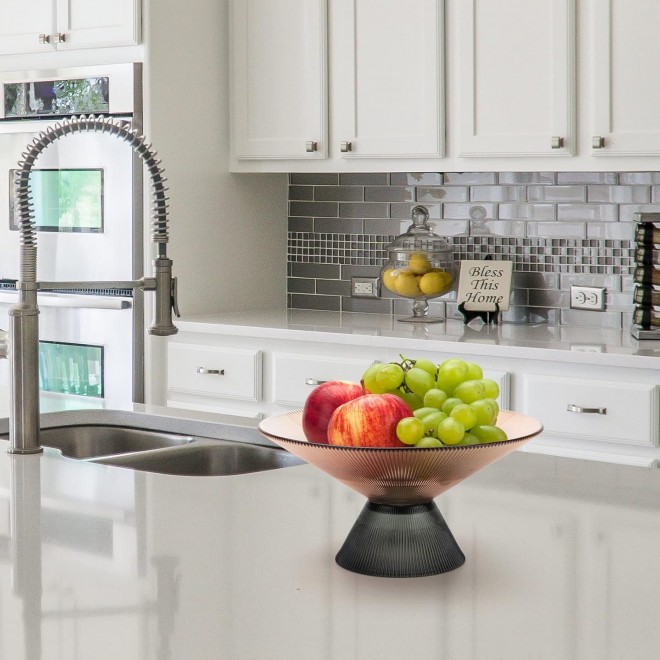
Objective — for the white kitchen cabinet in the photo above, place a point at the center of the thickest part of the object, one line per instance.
(622, 412)
(214, 371)
(620, 552)
(622, 388)
(386, 95)
(387, 62)
(261, 377)
(278, 78)
(295, 376)
(33, 26)
(626, 93)
(527, 81)
(491, 536)
(517, 77)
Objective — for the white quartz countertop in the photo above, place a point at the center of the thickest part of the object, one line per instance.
(540, 342)
(105, 563)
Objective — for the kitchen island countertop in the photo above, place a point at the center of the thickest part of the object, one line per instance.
(104, 562)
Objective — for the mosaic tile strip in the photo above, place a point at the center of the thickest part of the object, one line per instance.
(548, 255)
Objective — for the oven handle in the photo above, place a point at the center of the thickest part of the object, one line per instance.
(71, 300)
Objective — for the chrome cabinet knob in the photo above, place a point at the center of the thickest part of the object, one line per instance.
(57, 38)
(211, 372)
(557, 142)
(346, 146)
(597, 142)
(312, 146)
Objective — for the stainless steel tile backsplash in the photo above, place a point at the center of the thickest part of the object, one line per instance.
(558, 228)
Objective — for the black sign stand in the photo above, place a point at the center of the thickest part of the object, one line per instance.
(487, 316)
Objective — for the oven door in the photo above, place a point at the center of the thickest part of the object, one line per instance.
(83, 191)
(85, 351)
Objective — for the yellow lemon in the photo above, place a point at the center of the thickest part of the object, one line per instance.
(406, 285)
(435, 283)
(419, 264)
(389, 277)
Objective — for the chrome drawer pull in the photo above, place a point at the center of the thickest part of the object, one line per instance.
(212, 372)
(313, 381)
(578, 409)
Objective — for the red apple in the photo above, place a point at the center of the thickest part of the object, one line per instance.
(368, 421)
(322, 401)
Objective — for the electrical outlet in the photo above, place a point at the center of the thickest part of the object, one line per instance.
(364, 287)
(591, 298)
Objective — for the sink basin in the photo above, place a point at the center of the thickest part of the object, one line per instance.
(157, 443)
(91, 441)
(212, 459)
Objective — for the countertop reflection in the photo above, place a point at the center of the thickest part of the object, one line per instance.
(101, 562)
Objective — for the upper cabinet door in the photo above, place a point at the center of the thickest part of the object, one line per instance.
(31, 26)
(279, 105)
(387, 78)
(626, 102)
(93, 23)
(26, 26)
(516, 70)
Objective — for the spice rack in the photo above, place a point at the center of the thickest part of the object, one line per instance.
(646, 296)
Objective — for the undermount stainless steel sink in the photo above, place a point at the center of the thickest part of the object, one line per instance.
(163, 452)
(92, 441)
(214, 458)
(157, 443)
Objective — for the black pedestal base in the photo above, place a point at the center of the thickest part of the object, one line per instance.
(400, 541)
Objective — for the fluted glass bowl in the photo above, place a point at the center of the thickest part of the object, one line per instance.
(400, 532)
(420, 266)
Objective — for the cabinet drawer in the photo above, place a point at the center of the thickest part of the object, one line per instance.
(294, 376)
(630, 410)
(213, 371)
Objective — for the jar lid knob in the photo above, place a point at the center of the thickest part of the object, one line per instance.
(420, 216)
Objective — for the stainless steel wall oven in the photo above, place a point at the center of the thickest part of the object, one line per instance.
(88, 206)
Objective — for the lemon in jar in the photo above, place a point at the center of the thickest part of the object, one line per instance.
(389, 279)
(435, 282)
(419, 263)
(406, 284)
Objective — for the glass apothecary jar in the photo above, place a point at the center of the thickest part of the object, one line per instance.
(420, 266)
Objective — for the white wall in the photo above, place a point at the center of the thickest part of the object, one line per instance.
(227, 232)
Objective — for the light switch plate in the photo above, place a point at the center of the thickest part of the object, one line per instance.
(591, 298)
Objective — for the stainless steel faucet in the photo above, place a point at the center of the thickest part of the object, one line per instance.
(24, 323)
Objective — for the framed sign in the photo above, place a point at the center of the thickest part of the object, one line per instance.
(485, 283)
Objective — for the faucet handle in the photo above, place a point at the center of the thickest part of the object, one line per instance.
(174, 295)
(164, 299)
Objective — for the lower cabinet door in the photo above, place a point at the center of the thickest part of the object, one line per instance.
(214, 372)
(613, 411)
(294, 376)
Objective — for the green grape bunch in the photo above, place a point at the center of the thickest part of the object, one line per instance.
(452, 403)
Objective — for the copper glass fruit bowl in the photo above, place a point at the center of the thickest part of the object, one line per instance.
(400, 532)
